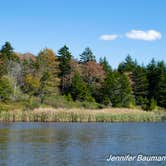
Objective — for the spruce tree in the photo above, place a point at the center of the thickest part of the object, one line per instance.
(7, 55)
(128, 65)
(117, 87)
(79, 89)
(153, 79)
(7, 51)
(161, 95)
(107, 68)
(140, 85)
(125, 96)
(87, 56)
(65, 58)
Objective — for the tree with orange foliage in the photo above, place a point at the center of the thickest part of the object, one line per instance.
(47, 71)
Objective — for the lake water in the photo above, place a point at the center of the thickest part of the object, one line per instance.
(79, 144)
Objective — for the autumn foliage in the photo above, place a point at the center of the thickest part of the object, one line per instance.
(60, 80)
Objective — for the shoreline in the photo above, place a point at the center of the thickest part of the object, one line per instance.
(81, 115)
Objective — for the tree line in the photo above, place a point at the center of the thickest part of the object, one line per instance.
(50, 78)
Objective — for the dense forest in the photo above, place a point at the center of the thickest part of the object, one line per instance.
(60, 80)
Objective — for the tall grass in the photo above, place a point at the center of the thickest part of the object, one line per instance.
(80, 115)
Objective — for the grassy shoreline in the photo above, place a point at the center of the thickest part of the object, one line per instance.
(81, 115)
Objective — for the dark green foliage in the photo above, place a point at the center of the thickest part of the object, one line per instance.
(7, 51)
(62, 81)
(106, 101)
(128, 65)
(144, 103)
(157, 79)
(107, 87)
(65, 68)
(87, 56)
(64, 58)
(140, 85)
(69, 97)
(123, 93)
(152, 104)
(118, 88)
(6, 88)
(6, 56)
(79, 89)
(161, 97)
(107, 68)
(153, 78)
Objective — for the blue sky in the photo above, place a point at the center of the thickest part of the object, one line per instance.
(111, 28)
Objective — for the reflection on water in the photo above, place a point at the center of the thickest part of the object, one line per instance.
(85, 144)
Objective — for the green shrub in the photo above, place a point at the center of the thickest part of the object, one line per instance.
(152, 104)
(107, 101)
(68, 97)
(31, 103)
(58, 101)
(90, 105)
(4, 107)
(144, 103)
(6, 88)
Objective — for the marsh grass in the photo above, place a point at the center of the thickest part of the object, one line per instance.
(80, 115)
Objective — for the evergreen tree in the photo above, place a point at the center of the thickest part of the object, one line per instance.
(87, 56)
(128, 65)
(107, 68)
(123, 93)
(153, 75)
(7, 51)
(79, 89)
(65, 58)
(161, 95)
(107, 88)
(1, 65)
(6, 56)
(140, 85)
(117, 88)
(85, 80)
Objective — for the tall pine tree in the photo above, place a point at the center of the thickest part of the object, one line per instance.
(140, 85)
(87, 56)
(65, 58)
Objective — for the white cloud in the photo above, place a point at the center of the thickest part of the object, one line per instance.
(149, 35)
(109, 37)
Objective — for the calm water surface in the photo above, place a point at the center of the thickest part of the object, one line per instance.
(79, 144)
